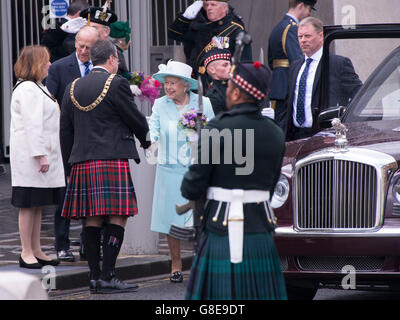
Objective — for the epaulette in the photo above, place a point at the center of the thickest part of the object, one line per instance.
(237, 24)
(284, 35)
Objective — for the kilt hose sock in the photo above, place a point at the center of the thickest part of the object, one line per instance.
(91, 237)
(112, 242)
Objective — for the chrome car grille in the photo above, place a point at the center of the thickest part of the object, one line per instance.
(338, 263)
(338, 192)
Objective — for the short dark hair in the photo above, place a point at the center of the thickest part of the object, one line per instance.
(294, 3)
(76, 6)
(101, 51)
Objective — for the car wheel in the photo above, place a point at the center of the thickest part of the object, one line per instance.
(300, 293)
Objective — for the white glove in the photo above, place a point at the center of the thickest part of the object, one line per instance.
(268, 112)
(192, 11)
(74, 25)
(135, 90)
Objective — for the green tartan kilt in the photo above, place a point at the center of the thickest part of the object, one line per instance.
(258, 277)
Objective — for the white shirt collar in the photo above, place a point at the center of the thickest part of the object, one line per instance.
(293, 17)
(316, 56)
(79, 61)
(99, 67)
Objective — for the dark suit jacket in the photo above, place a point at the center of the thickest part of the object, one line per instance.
(343, 85)
(61, 74)
(106, 131)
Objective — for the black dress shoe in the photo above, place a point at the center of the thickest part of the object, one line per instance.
(23, 264)
(65, 255)
(115, 285)
(93, 286)
(176, 277)
(54, 262)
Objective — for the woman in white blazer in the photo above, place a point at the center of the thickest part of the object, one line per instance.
(37, 170)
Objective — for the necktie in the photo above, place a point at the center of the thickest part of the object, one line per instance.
(87, 67)
(301, 114)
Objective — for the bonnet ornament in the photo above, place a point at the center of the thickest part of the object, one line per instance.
(341, 141)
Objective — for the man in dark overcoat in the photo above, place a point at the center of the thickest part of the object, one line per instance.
(283, 49)
(238, 219)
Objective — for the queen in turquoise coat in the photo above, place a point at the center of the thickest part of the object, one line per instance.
(173, 151)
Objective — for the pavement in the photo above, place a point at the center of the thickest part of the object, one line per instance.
(73, 275)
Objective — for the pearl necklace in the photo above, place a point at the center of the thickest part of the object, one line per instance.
(181, 107)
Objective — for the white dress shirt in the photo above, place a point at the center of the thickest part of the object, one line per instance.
(310, 82)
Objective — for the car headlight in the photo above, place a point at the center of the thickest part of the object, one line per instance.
(281, 192)
(396, 190)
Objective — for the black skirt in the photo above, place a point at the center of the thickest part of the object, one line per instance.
(27, 197)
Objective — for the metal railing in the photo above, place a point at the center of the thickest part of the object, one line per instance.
(164, 13)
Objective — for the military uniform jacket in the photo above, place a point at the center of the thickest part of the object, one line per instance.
(217, 95)
(262, 173)
(283, 49)
(106, 131)
(198, 34)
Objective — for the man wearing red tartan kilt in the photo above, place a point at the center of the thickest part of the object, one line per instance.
(99, 120)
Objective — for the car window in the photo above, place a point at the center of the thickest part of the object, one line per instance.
(379, 99)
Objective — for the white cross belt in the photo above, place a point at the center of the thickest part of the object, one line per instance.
(236, 198)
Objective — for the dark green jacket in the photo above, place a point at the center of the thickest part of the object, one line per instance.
(217, 95)
(269, 148)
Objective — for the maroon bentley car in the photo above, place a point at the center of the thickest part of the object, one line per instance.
(338, 198)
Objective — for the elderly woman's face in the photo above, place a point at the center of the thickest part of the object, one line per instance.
(174, 87)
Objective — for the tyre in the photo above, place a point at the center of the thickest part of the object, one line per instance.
(300, 293)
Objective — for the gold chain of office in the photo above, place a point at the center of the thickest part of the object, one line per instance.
(97, 101)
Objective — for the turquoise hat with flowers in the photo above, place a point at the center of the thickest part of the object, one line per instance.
(178, 70)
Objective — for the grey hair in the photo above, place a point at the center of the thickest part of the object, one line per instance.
(185, 83)
(87, 30)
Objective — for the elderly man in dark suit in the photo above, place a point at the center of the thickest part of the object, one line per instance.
(62, 73)
(303, 101)
(76, 65)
